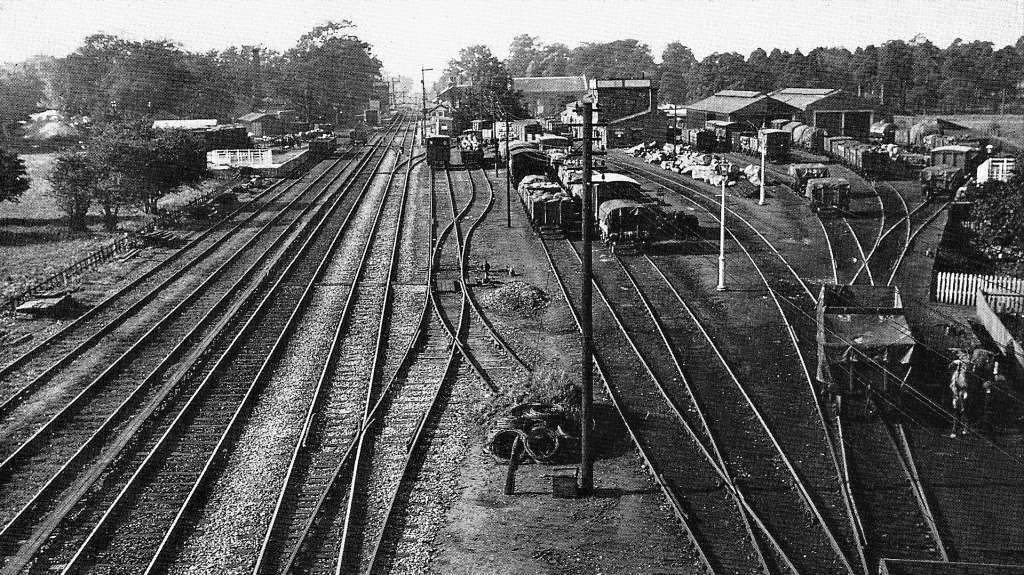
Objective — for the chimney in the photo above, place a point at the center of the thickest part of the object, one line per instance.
(256, 86)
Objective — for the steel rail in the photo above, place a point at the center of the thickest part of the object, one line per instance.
(345, 461)
(794, 339)
(94, 442)
(418, 436)
(174, 531)
(882, 235)
(798, 482)
(831, 251)
(910, 240)
(910, 466)
(752, 227)
(667, 490)
(303, 441)
(86, 548)
(478, 310)
(13, 401)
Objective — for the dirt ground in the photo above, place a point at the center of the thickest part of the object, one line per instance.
(625, 528)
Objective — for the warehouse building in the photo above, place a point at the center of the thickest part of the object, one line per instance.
(628, 109)
(832, 110)
(546, 97)
(744, 106)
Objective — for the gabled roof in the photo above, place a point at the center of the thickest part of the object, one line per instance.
(819, 98)
(253, 116)
(732, 101)
(550, 85)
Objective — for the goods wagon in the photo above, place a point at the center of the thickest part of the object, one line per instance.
(358, 135)
(626, 221)
(776, 143)
(958, 156)
(549, 207)
(371, 117)
(322, 147)
(723, 132)
(438, 151)
(883, 132)
(471, 148)
(702, 140)
(525, 160)
(828, 194)
(801, 173)
(941, 181)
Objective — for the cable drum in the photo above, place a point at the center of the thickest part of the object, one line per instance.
(542, 444)
(501, 442)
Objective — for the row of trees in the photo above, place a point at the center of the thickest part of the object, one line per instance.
(125, 165)
(489, 95)
(328, 71)
(915, 76)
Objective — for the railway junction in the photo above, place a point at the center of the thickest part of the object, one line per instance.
(320, 381)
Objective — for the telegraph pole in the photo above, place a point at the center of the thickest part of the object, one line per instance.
(508, 176)
(423, 86)
(586, 478)
(764, 144)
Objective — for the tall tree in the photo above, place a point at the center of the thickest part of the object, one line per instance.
(14, 179)
(487, 90)
(677, 61)
(521, 53)
(617, 59)
(73, 180)
(21, 91)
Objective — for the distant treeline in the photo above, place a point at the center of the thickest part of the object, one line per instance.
(904, 77)
(328, 72)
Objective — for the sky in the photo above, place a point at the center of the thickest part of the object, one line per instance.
(407, 35)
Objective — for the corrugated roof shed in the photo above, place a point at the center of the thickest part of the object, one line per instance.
(550, 85)
(733, 101)
(820, 99)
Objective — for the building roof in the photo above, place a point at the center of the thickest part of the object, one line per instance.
(550, 85)
(253, 116)
(733, 101)
(594, 83)
(183, 124)
(955, 148)
(820, 99)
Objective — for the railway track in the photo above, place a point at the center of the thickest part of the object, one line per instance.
(304, 528)
(799, 420)
(697, 490)
(348, 302)
(739, 435)
(145, 477)
(56, 465)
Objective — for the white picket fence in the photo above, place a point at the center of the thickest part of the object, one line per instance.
(962, 289)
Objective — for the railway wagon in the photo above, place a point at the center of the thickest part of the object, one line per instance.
(801, 173)
(941, 180)
(626, 221)
(702, 140)
(776, 144)
(611, 186)
(524, 159)
(828, 194)
(358, 135)
(958, 156)
(438, 151)
(471, 148)
(548, 206)
(883, 133)
(832, 144)
(371, 117)
(322, 147)
(723, 133)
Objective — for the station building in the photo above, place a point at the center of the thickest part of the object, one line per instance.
(547, 96)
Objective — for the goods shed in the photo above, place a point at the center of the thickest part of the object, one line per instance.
(863, 338)
(749, 107)
(832, 110)
(547, 96)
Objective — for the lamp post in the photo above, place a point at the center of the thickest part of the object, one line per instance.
(763, 144)
(423, 87)
(721, 243)
(586, 478)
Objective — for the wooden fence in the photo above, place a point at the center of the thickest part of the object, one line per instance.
(988, 307)
(962, 289)
(61, 278)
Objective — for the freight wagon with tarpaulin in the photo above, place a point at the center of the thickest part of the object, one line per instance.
(865, 345)
(525, 159)
(438, 152)
(801, 173)
(828, 195)
(941, 181)
(627, 222)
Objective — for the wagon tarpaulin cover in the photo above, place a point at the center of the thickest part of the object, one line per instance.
(865, 325)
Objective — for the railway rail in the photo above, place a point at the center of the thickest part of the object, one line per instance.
(796, 423)
(140, 471)
(348, 300)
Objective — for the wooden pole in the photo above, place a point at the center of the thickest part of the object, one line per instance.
(586, 478)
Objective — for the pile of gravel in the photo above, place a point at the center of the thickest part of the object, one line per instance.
(517, 298)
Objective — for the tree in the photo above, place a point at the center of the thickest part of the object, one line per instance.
(14, 179)
(521, 53)
(617, 59)
(72, 182)
(676, 63)
(487, 92)
(21, 91)
(999, 210)
(329, 73)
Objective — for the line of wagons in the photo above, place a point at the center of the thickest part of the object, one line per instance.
(471, 145)
(942, 171)
(551, 193)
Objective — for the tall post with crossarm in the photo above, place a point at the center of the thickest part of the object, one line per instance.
(586, 478)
